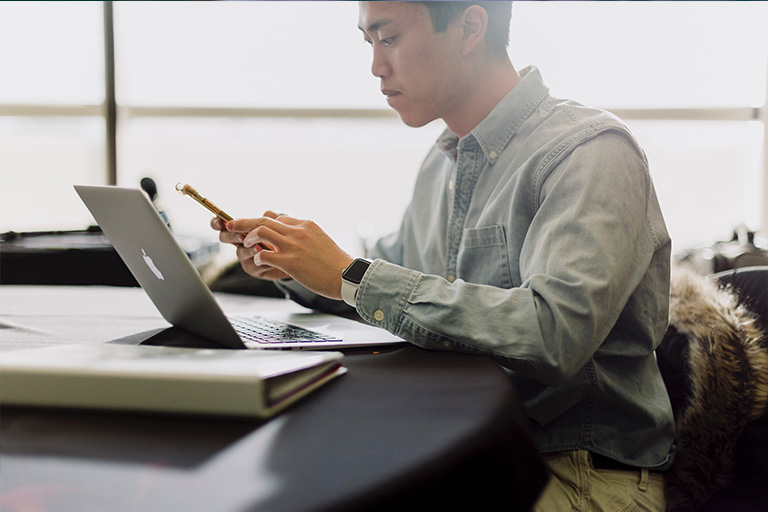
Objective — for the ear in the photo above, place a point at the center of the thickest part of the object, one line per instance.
(474, 23)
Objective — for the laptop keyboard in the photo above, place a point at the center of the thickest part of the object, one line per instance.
(263, 331)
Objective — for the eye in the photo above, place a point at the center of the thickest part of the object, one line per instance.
(388, 41)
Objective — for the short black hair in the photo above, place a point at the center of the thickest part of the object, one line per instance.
(499, 17)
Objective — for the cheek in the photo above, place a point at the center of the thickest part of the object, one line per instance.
(431, 67)
(418, 78)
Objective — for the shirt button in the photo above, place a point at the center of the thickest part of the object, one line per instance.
(492, 155)
(446, 344)
(451, 278)
(378, 315)
(450, 185)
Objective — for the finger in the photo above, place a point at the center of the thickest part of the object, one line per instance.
(243, 225)
(245, 254)
(231, 238)
(269, 231)
(252, 268)
(217, 224)
(248, 225)
(276, 225)
(288, 220)
(266, 259)
(264, 236)
(262, 272)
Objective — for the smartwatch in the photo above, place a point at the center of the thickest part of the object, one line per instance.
(351, 278)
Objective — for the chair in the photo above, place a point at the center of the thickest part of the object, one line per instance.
(714, 360)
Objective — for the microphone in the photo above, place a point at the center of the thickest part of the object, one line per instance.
(149, 186)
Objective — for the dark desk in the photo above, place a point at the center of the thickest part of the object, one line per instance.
(403, 427)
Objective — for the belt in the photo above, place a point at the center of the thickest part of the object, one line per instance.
(603, 462)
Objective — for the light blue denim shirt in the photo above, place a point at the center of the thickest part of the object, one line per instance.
(537, 239)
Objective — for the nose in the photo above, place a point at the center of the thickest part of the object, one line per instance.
(379, 67)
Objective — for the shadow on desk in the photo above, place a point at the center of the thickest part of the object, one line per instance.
(137, 439)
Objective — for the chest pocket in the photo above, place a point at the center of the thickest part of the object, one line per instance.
(483, 258)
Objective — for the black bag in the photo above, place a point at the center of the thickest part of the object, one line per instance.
(740, 251)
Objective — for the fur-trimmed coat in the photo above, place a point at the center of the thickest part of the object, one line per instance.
(727, 376)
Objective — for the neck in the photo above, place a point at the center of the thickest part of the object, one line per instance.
(486, 88)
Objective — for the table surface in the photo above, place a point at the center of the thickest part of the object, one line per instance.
(404, 426)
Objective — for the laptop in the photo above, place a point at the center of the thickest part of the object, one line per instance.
(148, 248)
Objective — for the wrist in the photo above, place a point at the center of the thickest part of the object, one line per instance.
(351, 278)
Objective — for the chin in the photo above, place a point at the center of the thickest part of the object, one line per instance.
(414, 124)
(415, 121)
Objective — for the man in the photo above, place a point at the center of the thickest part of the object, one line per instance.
(534, 236)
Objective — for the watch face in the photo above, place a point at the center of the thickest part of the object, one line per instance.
(356, 271)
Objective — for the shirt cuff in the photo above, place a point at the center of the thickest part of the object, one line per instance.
(383, 294)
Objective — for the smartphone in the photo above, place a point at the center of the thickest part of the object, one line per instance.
(208, 205)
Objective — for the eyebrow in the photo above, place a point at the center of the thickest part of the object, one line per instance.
(376, 25)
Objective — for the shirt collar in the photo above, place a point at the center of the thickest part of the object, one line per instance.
(494, 132)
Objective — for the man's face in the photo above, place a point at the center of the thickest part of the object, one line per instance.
(420, 69)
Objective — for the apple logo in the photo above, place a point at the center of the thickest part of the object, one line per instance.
(151, 265)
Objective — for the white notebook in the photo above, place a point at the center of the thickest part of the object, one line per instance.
(242, 383)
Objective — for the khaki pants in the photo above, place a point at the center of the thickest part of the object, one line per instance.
(576, 485)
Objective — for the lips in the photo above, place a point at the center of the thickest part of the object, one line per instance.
(389, 92)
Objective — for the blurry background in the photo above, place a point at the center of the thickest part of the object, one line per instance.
(271, 105)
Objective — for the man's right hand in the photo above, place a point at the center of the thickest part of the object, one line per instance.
(245, 254)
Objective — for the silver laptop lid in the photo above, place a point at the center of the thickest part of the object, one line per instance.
(146, 245)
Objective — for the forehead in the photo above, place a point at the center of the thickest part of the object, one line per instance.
(378, 14)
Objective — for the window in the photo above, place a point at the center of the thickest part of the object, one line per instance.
(52, 53)
(51, 127)
(272, 105)
(698, 68)
(643, 55)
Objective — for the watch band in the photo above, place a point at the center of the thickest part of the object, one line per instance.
(351, 278)
(349, 292)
